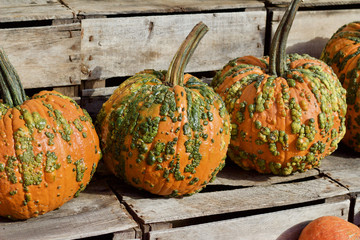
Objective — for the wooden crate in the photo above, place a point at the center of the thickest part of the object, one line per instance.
(121, 38)
(240, 203)
(85, 48)
(344, 167)
(42, 40)
(96, 212)
(315, 22)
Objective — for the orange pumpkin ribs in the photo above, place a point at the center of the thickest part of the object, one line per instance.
(49, 149)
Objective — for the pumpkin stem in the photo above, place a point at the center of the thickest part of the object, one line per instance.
(12, 91)
(175, 73)
(277, 58)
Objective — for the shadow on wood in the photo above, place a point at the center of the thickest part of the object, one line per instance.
(293, 233)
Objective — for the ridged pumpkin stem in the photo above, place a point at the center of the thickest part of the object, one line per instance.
(175, 74)
(274, 47)
(277, 58)
(281, 61)
(12, 91)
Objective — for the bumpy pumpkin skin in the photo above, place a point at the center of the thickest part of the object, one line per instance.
(168, 140)
(49, 152)
(342, 53)
(282, 125)
(330, 228)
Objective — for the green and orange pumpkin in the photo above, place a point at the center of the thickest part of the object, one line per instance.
(287, 111)
(164, 132)
(330, 228)
(342, 53)
(49, 148)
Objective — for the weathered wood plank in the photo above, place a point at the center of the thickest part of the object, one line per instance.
(152, 209)
(31, 10)
(281, 225)
(124, 46)
(127, 235)
(343, 166)
(44, 56)
(315, 3)
(312, 29)
(70, 91)
(95, 212)
(99, 92)
(110, 7)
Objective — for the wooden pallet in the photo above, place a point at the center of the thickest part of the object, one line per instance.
(344, 167)
(237, 203)
(96, 212)
(241, 203)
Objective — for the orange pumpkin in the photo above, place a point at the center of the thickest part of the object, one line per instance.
(287, 112)
(342, 53)
(165, 132)
(48, 148)
(330, 228)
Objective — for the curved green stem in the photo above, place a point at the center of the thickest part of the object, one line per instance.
(281, 61)
(12, 90)
(277, 58)
(175, 74)
(274, 47)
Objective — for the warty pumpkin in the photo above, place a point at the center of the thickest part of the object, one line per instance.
(342, 53)
(49, 148)
(330, 228)
(164, 132)
(287, 111)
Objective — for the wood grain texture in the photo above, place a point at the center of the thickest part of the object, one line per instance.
(44, 56)
(343, 166)
(312, 29)
(31, 10)
(281, 225)
(110, 7)
(315, 3)
(125, 46)
(95, 212)
(152, 209)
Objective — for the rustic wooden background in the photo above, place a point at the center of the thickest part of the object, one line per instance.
(85, 49)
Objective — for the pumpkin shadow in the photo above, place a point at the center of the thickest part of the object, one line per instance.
(294, 232)
(234, 175)
(356, 220)
(344, 151)
(95, 73)
(313, 47)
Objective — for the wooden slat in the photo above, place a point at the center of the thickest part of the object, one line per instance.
(95, 212)
(99, 92)
(152, 209)
(70, 91)
(110, 7)
(44, 56)
(282, 225)
(343, 166)
(123, 46)
(312, 3)
(31, 10)
(312, 29)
